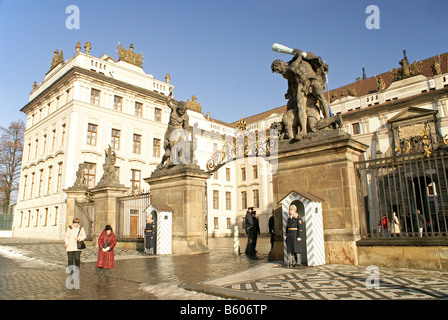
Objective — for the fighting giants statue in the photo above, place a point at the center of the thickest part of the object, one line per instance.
(176, 144)
(306, 75)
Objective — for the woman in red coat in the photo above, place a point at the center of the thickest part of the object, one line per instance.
(106, 244)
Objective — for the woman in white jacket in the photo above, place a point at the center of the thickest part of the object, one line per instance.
(74, 233)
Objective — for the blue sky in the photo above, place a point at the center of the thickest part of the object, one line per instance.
(219, 51)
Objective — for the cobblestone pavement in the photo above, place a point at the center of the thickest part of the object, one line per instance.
(35, 269)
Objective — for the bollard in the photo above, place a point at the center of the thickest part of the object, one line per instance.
(236, 241)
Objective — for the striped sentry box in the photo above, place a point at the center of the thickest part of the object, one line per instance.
(313, 225)
(164, 226)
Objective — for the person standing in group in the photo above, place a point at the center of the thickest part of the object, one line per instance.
(395, 225)
(74, 234)
(106, 244)
(271, 229)
(250, 231)
(384, 225)
(421, 223)
(256, 228)
(294, 237)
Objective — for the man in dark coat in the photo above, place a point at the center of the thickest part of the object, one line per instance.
(294, 237)
(256, 228)
(272, 229)
(250, 231)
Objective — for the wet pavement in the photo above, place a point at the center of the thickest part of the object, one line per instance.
(36, 269)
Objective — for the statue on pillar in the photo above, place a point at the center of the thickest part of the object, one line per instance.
(80, 176)
(176, 144)
(306, 75)
(110, 174)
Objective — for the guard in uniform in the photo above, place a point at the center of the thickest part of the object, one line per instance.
(250, 231)
(150, 239)
(293, 237)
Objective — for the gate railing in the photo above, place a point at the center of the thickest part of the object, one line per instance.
(130, 216)
(403, 196)
(85, 212)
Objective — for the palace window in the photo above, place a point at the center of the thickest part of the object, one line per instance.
(256, 198)
(95, 96)
(227, 174)
(50, 174)
(156, 147)
(59, 184)
(37, 218)
(115, 139)
(37, 149)
(45, 144)
(136, 142)
(29, 151)
(215, 199)
(46, 217)
(53, 142)
(158, 114)
(25, 178)
(41, 180)
(138, 109)
(228, 200)
(243, 174)
(118, 103)
(89, 174)
(215, 223)
(135, 179)
(56, 211)
(356, 128)
(243, 199)
(63, 134)
(91, 134)
(255, 171)
(32, 185)
(229, 223)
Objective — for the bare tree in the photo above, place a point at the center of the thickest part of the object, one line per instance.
(11, 150)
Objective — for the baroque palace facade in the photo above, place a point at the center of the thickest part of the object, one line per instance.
(86, 103)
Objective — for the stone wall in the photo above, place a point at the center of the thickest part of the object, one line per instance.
(426, 254)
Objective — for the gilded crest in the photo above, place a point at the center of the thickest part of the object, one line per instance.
(193, 105)
(129, 56)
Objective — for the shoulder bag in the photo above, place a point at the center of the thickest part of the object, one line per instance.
(80, 244)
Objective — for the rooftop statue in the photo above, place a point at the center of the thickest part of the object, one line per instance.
(130, 56)
(57, 58)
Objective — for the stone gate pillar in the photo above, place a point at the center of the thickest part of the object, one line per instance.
(182, 188)
(105, 206)
(73, 194)
(324, 166)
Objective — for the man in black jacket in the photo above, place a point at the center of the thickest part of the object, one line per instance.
(250, 231)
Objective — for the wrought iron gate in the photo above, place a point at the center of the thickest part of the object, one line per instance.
(85, 212)
(130, 218)
(403, 196)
